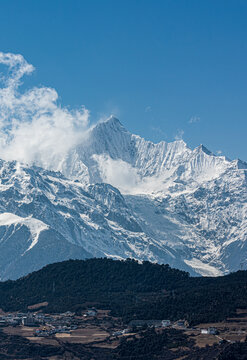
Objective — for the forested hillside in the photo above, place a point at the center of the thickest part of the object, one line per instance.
(129, 289)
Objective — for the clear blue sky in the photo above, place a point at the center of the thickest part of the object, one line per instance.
(155, 64)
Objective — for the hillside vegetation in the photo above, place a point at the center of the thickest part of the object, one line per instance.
(129, 289)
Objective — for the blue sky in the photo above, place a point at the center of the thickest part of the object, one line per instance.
(166, 68)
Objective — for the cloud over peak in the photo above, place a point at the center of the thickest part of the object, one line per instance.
(34, 128)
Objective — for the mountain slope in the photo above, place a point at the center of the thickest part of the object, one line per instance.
(122, 196)
(46, 218)
(149, 167)
(129, 289)
(190, 200)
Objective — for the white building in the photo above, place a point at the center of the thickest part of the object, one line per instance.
(165, 323)
(210, 331)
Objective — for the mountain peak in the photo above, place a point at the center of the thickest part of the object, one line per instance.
(241, 164)
(112, 120)
(204, 149)
(109, 125)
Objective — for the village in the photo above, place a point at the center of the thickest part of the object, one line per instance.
(45, 325)
(94, 326)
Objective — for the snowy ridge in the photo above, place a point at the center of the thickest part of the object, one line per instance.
(113, 155)
(120, 196)
(45, 217)
(35, 226)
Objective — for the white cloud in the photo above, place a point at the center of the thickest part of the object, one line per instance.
(118, 173)
(179, 135)
(194, 119)
(219, 152)
(34, 128)
(18, 67)
(125, 177)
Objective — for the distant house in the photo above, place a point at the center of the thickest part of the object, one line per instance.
(182, 323)
(20, 315)
(91, 312)
(138, 323)
(3, 322)
(210, 331)
(28, 320)
(165, 323)
(68, 313)
(13, 322)
(117, 333)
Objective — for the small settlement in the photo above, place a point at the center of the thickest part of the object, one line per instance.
(46, 324)
(98, 326)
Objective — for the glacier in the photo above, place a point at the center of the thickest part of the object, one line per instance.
(119, 195)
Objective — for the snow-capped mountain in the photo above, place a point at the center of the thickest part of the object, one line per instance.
(45, 217)
(118, 195)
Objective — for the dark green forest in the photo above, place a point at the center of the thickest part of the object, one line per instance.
(129, 289)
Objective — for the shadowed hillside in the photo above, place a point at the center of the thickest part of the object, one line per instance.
(129, 289)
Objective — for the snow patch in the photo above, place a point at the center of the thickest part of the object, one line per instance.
(66, 215)
(202, 268)
(89, 222)
(35, 226)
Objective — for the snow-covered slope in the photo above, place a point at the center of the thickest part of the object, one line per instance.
(44, 217)
(113, 155)
(122, 196)
(189, 200)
